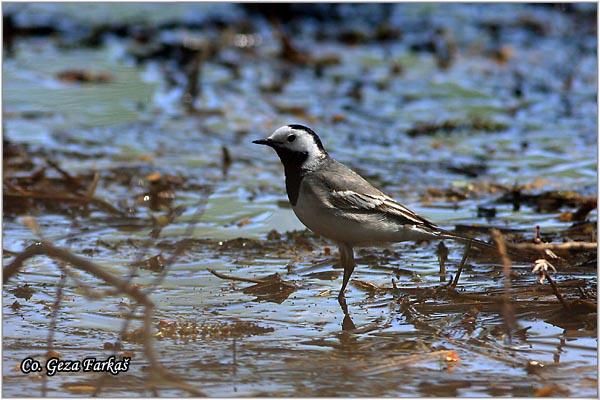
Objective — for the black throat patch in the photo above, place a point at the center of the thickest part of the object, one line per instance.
(292, 165)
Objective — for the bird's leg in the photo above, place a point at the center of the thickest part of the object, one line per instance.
(347, 258)
(343, 256)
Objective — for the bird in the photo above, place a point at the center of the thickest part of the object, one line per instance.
(337, 203)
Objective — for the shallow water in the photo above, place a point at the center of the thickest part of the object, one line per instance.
(134, 125)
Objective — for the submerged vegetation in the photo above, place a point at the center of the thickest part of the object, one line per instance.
(139, 222)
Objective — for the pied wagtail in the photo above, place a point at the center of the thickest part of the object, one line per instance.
(337, 203)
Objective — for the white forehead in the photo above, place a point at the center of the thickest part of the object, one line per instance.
(282, 133)
(303, 140)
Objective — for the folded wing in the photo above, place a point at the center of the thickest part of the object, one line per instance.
(376, 204)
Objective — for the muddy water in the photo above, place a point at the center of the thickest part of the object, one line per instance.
(518, 123)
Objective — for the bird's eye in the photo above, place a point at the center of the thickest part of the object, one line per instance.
(291, 138)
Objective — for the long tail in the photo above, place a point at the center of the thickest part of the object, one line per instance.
(515, 254)
(467, 240)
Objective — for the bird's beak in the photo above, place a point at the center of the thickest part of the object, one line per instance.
(266, 142)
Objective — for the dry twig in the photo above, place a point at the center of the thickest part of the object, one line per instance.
(235, 278)
(555, 246)
(508, 314)
(461, 266)
(83, 264)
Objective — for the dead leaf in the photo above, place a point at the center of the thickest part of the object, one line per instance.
(23, 292)
(83, 76)
(79, 389)
(551, 390)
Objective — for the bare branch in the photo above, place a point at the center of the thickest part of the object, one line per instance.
(234, 278)
(508, 314)
(555, 246)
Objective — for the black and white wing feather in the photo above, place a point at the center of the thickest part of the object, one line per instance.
(348, 191)
(381, 204)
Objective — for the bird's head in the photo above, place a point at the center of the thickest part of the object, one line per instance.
(295, 144)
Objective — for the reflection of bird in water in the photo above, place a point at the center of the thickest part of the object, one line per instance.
(337, 203)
